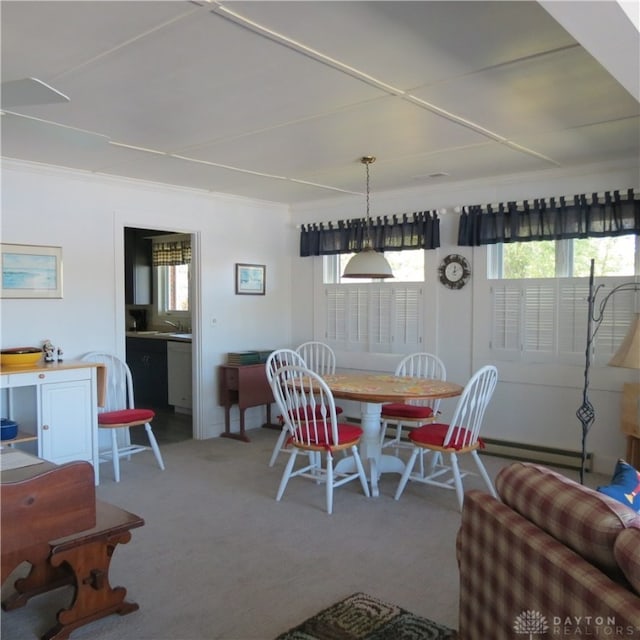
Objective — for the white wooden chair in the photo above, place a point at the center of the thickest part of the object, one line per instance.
(412, 413)
(461, 435)
(307, 404)
(120, 413)
(281, 358)
(319, 357)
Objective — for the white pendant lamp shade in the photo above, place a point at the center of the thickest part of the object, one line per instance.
(368, 263)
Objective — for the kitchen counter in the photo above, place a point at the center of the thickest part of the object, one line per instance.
(160, 335)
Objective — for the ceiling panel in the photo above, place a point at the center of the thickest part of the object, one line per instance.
(414, 43)
(159, 93)
(547, 93)
(45, 143)
(301, 90)
(50, 38)
(465, 163)
(614, 141)
(217, 179)
(390, 127)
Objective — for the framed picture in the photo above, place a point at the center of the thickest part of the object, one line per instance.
(250, 279)
(29, 271)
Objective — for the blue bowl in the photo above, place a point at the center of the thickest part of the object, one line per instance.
(8, 429)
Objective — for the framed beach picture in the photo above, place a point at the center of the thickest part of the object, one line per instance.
(250, 279)
(30, 271)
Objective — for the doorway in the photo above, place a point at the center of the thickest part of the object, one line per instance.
(158, 326)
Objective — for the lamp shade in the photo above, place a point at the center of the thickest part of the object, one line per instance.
(628, 354)
(368, 264)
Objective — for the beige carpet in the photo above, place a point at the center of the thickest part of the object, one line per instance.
(220, 559)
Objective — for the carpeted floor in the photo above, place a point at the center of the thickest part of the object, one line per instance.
(362, 617)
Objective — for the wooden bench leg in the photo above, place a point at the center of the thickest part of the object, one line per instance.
(94, 598)
(42, 577)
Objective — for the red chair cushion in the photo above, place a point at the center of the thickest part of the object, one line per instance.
(346, 433)
(125, 416)
(401, 410)
(435, 434)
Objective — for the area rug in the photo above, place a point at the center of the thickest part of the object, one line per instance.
(362, 617)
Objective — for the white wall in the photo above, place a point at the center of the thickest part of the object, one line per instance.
(528, 407)
(86, 214)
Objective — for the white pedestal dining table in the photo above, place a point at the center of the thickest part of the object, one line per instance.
(372, 390)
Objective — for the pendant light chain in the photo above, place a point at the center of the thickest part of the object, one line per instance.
(367, 160)
(368, 263)
(368, 215)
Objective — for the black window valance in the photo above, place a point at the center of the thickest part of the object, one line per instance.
(604, 215)
(419, 230)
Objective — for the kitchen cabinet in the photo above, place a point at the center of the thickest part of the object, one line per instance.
(55, 406)
(147, 360)
(137, 267)
(179, 374)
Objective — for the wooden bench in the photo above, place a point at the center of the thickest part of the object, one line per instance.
(80, 558)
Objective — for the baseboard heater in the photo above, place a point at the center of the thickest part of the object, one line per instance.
(563, 458)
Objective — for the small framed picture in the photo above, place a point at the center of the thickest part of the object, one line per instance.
(250, 279)
(30, 271)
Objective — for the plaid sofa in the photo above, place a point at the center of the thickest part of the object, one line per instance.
(549, 559)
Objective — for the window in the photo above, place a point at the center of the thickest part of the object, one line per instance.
(173, 288)
(563, 258)
(545, 320)
(370, 315)
(407, 266)
(381, 318)
(171, 257)
(538, 294)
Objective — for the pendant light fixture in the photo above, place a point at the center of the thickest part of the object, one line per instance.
(368, 263)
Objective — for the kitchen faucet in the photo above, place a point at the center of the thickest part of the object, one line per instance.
(177, 327)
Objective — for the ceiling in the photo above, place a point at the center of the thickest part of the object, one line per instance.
(279, 100)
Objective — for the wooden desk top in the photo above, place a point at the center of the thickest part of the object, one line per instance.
(377, 388)
(44, 367)
(41, 366)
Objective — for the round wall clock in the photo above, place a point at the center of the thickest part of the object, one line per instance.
(454, 271)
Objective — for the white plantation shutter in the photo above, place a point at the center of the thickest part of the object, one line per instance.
(380, 300)
(615, 323)
(335, 316)
(359, 316)
(540, 323)
(408, 317)
(505, 321)
(546, 320)
(572, 317)
(382, 318)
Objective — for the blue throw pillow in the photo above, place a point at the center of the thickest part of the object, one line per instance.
(625, 485)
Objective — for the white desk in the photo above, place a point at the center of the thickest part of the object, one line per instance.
(55, 405)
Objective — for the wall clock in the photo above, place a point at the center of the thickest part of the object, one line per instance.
(454, 271)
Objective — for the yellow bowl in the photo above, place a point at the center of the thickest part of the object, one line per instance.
(20, 357)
